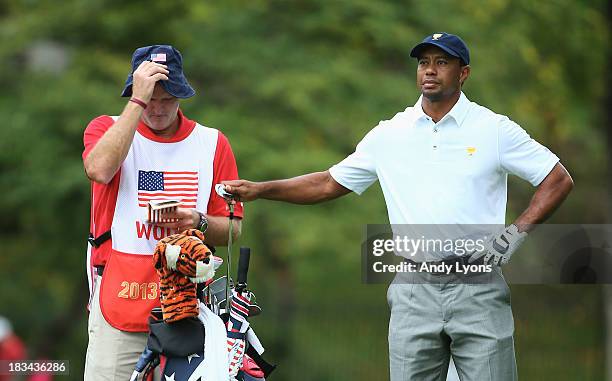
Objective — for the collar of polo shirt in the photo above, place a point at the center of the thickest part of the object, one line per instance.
(458, 112)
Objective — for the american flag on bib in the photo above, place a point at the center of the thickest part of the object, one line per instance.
(168, 185)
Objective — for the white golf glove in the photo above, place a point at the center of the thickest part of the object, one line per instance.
(500, 247)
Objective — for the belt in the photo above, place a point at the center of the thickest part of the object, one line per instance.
(99, 270)
(454, 263)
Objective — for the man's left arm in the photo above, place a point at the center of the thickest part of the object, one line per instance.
(218, 230)
(522, 156)
(551, 192)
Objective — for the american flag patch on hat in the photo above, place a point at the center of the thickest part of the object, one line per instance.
(158, 57)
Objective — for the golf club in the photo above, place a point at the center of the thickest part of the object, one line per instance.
(229, 198)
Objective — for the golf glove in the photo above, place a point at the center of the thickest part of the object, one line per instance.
(500, 247)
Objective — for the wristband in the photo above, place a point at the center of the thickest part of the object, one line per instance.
(138, 102)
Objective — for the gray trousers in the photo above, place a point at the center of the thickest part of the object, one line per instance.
(433, 317)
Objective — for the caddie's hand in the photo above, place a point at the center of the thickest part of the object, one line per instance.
(182, 219)
(243, 190)
(500, 247)
(145, 77)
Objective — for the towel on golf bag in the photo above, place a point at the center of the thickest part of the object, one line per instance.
(182, 260)
(188, 362)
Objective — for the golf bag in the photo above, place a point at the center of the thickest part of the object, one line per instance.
(219, 344)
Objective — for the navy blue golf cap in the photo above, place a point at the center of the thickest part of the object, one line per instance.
(450, 43)
(177, 84)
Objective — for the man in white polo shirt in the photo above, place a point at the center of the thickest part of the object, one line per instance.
(444, 160)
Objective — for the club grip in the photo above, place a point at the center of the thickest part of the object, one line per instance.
(243, 265)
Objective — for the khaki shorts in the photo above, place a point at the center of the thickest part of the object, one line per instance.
(111, 354)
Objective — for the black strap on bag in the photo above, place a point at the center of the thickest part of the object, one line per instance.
(96, 242)
(265, 366)
(178, 339)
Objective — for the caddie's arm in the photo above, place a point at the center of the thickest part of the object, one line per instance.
(110, 151)
(307, 189)
(217, 232)
(551, 193)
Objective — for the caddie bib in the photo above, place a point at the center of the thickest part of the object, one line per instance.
(151, 171)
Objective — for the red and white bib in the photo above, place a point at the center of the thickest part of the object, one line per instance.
(152, 170)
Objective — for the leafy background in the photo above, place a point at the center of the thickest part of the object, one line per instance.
(294, 85)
